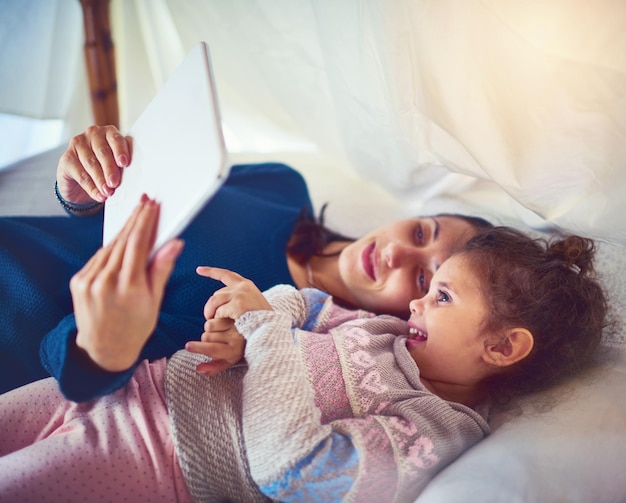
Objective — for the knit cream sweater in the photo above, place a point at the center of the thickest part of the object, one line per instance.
(332, 411)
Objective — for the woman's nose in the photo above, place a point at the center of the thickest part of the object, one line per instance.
(397, 255)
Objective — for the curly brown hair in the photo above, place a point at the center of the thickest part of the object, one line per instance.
(548, 287)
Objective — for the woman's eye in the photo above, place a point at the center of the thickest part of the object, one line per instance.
(422, 282)
(419, 234)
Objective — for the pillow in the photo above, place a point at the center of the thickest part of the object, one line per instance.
(575, 452)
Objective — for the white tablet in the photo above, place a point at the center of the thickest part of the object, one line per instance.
(178, 152)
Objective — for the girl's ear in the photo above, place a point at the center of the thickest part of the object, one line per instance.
(515, 345)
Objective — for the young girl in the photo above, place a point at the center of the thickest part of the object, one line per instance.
(330, 405)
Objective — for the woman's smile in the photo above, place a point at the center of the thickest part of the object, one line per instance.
(382, 271)
(369, 260)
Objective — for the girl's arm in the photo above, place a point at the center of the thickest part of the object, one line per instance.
(294, 457)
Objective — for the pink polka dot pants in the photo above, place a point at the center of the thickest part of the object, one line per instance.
(118, 448)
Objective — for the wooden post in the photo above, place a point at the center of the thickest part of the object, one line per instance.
(100, 61)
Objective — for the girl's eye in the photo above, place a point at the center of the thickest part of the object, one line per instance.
(422, 282)
(443, 296)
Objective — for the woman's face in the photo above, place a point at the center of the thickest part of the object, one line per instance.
(387, 268)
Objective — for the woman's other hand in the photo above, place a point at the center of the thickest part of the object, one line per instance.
(91, 167)
(117, 295)
(222, 342)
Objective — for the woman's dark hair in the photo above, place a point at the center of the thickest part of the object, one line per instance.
(548, 287)
(310, 235)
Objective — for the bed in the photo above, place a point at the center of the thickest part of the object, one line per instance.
(574, 451)
(559, 166)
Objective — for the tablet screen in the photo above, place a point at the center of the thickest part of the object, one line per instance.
(178, 152)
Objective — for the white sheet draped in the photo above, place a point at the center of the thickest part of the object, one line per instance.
(515, 106)
(42, 75)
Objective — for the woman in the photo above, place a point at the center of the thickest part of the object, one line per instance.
(251, 226)
(362, 408)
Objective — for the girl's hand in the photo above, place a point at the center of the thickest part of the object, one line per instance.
(222, 342)
(91, 168)
(239, 296)
(117, 294)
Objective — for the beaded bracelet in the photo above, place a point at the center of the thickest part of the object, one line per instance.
(75, 208)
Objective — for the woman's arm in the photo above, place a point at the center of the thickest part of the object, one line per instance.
(271, 196)
(81, 380)
(118, 293)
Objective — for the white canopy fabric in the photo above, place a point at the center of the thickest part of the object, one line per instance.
(40, 57)
(513, 106)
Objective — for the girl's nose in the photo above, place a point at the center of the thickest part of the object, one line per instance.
(416, 306)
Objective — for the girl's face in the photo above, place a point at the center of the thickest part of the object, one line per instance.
(446, 338)
(385, 269)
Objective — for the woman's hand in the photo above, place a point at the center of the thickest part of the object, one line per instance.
(222, 342)
(117, 295)
(91, 168)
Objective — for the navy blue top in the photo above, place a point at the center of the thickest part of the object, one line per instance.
(245, 228)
